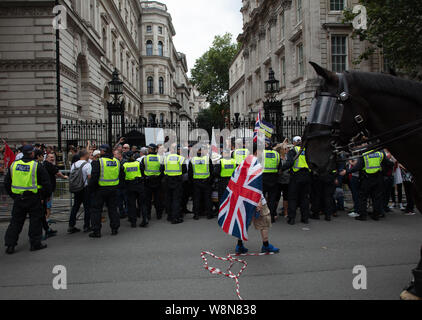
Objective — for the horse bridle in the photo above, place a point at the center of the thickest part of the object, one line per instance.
(327, 111)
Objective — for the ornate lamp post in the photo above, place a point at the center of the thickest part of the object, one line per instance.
(273, 108)
(116, 108)
(236, 120)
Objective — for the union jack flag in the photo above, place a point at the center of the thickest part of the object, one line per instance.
(239, 202)
(257, 126)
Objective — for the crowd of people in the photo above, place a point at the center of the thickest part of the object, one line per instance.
(129, 180)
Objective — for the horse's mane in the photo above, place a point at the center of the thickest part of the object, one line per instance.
(388, 84)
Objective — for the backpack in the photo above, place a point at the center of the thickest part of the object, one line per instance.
(76, 179)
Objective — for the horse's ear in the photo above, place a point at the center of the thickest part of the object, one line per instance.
(329, 76)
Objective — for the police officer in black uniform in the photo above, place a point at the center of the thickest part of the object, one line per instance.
(300, 183)
(134, 182)
(104, 185)
(23, 182)
(271, 164)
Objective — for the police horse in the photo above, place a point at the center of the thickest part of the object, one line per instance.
(355, 112)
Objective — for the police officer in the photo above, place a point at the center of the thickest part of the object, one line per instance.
(271, 164)
(371, 183)
(300, 183)
(153, 167)
(200, 169)
(240, 154)
(175, 167)
(223, 171)
(23, 183)
(135, 188)
(104, 185)
(323, 188)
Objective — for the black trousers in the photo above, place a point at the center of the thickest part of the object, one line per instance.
(202, 196)
(322, 195)
(136, 194)
(153, 190)
(388, 188)
(299, 190)
(23, 206)
(174, 194)
(408, 189)
(187, 193)
(107, 196)
(81, 197)
(221, 187)
(372, 185)
(271, 192)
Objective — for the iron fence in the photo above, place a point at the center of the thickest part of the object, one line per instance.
(78, 133)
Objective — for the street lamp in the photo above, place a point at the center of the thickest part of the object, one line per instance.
(116, 107)
(272, 106)
(236, 120)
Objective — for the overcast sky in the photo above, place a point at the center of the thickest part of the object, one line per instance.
(198, 21)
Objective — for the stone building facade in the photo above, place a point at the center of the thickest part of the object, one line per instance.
(285, 35)
(101, 35)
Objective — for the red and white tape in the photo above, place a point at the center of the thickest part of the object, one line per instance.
(232, 259)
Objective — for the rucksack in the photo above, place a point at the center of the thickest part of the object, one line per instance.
(76, 179)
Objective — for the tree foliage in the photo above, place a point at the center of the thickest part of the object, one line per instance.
(394, 26)
(211, 77)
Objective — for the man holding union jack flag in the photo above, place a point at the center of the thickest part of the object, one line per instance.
(243, 202)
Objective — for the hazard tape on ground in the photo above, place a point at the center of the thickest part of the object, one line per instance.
(232, 258)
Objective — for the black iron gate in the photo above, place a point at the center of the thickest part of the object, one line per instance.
(78, 133)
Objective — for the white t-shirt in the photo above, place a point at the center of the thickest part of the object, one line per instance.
(86, 170)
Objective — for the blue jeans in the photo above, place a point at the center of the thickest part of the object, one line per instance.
(354, 188)
(81, 197)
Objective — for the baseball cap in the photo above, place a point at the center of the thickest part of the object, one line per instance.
(297, 139)
(105, 147)
(96, 153)
(27, 148)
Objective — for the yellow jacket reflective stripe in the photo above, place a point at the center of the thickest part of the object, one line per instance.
(300, 162)
(372, 161)
(152, 165)
(24, 176)
(271, 161)
(227, 167)
(201, 167)
(132, 170)
(173, 165)
(109, 172)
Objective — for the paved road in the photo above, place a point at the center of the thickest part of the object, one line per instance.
(163, 262)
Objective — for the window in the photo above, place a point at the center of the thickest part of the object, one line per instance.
(161, 85)
(104, 36)
(150, 85)
(296, 110)
(300, 65)
(339, 53)
(149, 48)
(298, 11)
(113, 58)
(149, 29)
(283, 26)
(283, 71)
(121, 60)
(161, 117)
(336, 5)
(160, 48)
(160, 30)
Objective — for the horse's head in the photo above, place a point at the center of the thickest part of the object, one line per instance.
(333, 120)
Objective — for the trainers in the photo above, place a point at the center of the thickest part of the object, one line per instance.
(241, 249)
(408, 212)
(50, 233)
(401, 207)
(269, 249)
(353, 215)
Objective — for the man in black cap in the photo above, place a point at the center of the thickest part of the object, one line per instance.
(153, 167)
(23, 183)
(105, 180)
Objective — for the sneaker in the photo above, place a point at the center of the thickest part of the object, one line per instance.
(241, 249)
(408, 212)
(353, 215)
(50, 233)
(401, 207)
(269, 249)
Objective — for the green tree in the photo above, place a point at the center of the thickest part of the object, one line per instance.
(395, 27)
(211, 76)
